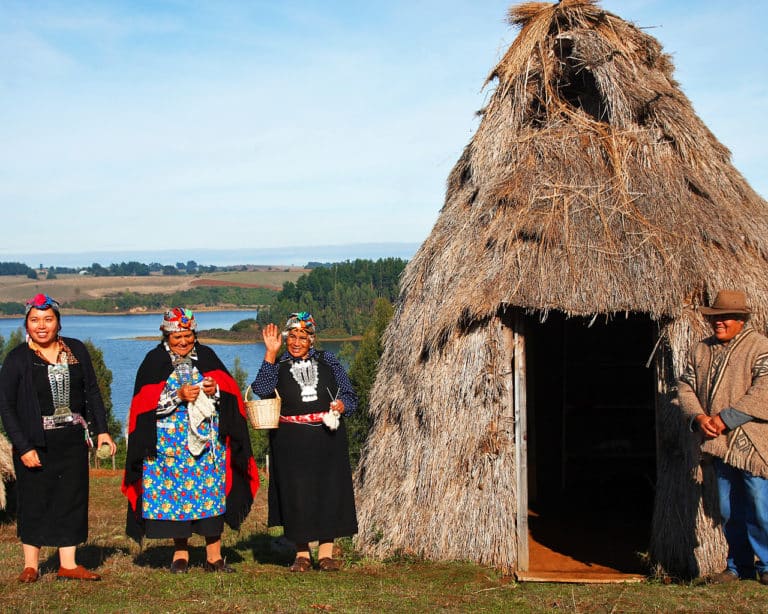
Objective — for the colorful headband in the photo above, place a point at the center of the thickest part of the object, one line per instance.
(41, 301)
(178, 319)
(302, 320)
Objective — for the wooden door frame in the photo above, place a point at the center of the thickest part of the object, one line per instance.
(518, 401)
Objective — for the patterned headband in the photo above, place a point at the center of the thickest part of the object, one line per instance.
(178, 319)
(41, 301)
(302, 320)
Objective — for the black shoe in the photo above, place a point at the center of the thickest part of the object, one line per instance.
(763, 578)
(180, 566)
(219, 566)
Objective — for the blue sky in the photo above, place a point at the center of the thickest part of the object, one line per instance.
(218, 124)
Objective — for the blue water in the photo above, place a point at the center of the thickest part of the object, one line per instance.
(116, 336)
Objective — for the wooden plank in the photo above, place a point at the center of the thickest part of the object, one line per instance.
(521, 437)
(576, 577)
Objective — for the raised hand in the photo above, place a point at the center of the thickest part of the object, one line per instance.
(273, 339)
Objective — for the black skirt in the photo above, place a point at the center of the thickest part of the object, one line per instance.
(310, 483)
(52, 500)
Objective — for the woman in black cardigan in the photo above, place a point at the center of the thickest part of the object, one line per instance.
(48, 393)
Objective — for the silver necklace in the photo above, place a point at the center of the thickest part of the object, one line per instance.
(58, 379)
(304, 372)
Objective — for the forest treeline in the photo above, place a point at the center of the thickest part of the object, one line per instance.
(117, 269)
(339, 296)
(14, 268)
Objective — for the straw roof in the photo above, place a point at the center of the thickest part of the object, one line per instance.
(590, 187)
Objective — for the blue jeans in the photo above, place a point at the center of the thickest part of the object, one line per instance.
(744, 509)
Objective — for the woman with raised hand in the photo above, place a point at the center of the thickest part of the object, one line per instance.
(310, 486)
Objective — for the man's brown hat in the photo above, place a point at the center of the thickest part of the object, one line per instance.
(727, 301)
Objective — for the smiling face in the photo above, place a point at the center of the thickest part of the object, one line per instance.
(726, 326)
(298, 342)
(42, 326)
(182, 342)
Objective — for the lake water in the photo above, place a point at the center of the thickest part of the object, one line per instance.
(116, 336)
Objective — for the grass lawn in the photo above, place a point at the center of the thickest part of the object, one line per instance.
(137, 580)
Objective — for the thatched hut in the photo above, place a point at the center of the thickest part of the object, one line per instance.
(530, 366)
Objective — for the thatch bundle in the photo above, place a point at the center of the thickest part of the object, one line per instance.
(7, 473)
(590, 187)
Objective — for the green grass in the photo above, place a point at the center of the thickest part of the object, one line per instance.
(137, 580)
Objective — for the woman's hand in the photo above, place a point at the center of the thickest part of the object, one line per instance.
(338, 405)
(188, 392)
(106, 438)
(31, 459)
(209, 386)
(273, 339)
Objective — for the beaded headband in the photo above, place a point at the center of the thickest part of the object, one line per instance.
(178, 319)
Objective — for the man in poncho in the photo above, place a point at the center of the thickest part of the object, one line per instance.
(723, 393)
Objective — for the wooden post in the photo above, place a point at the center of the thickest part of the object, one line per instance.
(521, 440)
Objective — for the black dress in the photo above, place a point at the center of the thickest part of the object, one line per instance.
(310, 486)
(52, 500)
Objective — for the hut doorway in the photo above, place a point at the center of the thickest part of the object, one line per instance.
(590, 410)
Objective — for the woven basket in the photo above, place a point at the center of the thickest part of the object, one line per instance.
(263, 413)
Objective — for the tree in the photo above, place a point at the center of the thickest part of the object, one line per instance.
(16, 338)
(362, 372)
(98, 271)
(239, 374)
(259, 438)
(15, 268)
(104, 378)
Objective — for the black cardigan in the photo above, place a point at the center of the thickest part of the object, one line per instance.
(19, 407)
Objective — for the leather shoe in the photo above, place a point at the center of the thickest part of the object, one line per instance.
(180, 566)
(218, 566)
(78, 573)
(723, 577)
(763, 579)
(329, 564)
(28, 575)
(301, 563)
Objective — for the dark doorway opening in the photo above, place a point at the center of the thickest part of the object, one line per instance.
(591, 442)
